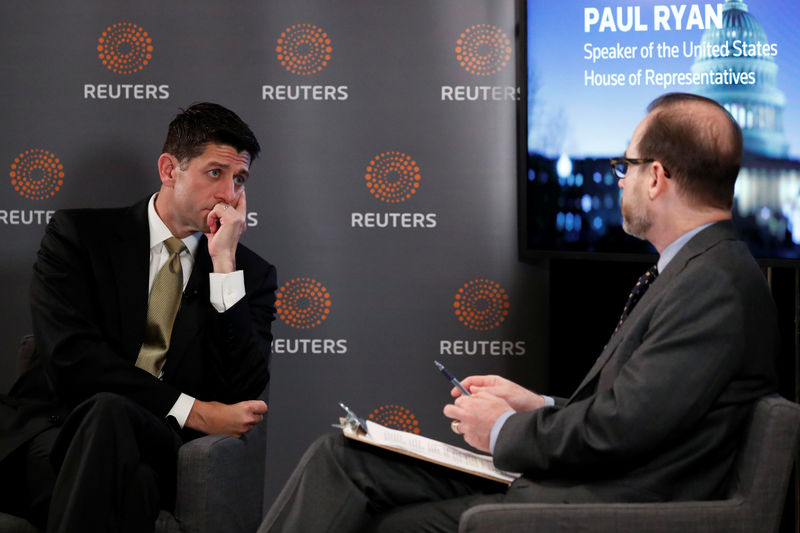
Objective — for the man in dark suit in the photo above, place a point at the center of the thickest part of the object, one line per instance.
(152, 326)
(659, 415)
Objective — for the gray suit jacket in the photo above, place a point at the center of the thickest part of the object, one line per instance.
(659, 415)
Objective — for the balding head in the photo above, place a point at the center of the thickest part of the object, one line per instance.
(698, 143)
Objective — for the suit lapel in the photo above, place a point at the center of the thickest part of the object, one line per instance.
(130, 261)
(193, 305)
(698, 244)
(598, 365)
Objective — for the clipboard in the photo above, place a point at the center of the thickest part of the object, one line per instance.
(419, 447)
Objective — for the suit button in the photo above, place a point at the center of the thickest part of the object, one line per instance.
(54, 419)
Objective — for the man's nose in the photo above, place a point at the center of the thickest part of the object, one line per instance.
(226, 190)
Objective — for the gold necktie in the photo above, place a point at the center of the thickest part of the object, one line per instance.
(165, 299)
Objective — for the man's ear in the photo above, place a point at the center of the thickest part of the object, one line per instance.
(167, 165)
(657, 180)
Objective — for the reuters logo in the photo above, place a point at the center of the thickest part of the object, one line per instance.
(392, 177)
(481, 304)
(304, 49)
(37, 174)
(125, 48)
(483, 50)
(395, 417)
(303, 303)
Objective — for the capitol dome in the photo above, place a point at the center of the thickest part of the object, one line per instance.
(741, 48)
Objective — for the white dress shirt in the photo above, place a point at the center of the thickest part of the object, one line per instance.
(225, 289)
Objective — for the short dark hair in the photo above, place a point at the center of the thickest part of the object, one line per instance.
(702, 154)
(200, 124)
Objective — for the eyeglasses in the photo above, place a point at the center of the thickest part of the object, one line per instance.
(619, 165)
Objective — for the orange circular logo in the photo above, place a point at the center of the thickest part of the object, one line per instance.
(392, 177)
(395, 417)
(37, 174)
(304, 49)
(125, 48)
(303, 303)
(483, 49)
(481, 304)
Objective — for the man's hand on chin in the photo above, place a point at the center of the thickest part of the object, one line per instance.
(226, 224)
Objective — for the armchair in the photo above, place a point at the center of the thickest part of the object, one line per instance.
(753, 504)
(220, 485)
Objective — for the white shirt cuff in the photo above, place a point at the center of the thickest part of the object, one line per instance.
(226, 289)
(549, 401)
(181, 409)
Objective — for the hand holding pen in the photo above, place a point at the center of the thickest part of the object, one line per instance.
(451, 378)
(472, 415)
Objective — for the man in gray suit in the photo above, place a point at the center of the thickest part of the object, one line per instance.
(659, 415)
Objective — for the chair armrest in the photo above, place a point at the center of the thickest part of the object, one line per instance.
(675, 517)
(220, 483)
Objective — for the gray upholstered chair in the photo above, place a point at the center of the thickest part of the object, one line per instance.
(220, 482)
(753, 504)
(220, 485)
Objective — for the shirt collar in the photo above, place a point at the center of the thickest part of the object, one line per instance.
(675, 246)
(159, 232)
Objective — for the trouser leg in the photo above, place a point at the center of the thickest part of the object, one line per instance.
(27, 478)
(341, 485)
(431, 517)
(40, 476)
(116, 461)
(11, 475)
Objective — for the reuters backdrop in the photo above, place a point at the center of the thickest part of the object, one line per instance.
(385, 193)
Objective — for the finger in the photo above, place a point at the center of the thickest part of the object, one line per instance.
(241, 206)
(212, 220)
(451, 411)
(475, 381)
(455, 392)
(463, 401)
(257, 406)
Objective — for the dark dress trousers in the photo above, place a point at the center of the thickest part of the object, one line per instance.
(89, 298)
(658, 417)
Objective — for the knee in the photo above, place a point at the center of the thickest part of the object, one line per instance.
(107, 405)
(327, 441)
(326, 445)
(325, 453)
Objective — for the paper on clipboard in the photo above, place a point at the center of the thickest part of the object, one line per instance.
(427, 450)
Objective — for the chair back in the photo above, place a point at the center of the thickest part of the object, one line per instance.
(25, 354)
(764, 462)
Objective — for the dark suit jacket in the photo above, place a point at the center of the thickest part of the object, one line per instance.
(89, 305)
(658, 417)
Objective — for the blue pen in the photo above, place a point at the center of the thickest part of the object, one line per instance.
(451, 378)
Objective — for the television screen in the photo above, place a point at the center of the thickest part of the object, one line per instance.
(591, 68)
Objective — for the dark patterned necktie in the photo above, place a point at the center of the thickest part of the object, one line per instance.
(165, 299)
(636, 293)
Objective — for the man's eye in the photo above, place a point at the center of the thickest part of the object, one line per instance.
(239, 180)
(214, 173)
